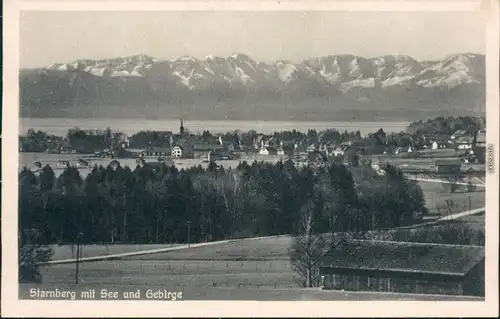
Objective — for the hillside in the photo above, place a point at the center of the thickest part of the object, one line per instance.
(340, 87)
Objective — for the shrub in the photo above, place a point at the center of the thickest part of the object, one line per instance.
(31, 254)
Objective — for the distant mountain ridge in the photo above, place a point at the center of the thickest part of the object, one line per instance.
(239, 87)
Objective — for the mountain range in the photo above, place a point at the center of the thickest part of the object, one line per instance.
(335, 87)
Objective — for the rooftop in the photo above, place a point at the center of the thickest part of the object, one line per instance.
(448, 162)
(459, 132)
(464, 139)
(206, 147)
(404, 256)
(158, 149)
(481, 136)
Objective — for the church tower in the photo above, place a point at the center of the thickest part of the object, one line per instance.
(181, 129)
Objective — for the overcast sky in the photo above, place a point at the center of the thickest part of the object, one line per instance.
(49, 37)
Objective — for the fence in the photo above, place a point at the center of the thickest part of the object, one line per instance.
(453, 206)
(268, 274)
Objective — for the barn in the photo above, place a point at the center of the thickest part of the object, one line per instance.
(404, 267)
(448, 167)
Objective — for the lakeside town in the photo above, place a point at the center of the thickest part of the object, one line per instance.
(419, 144)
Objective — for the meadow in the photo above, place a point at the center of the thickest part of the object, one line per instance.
(240, 263)
(251, 269)
(69, 251)
(436, 196)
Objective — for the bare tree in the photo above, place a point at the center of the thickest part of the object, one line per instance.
(452, 183)
(307, 249)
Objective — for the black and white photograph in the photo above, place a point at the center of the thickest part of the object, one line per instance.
(252, 155)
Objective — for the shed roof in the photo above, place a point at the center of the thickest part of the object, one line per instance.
(404, 256)
(206, 147)
(464, 140)
(316, 155)
(448, 162)
(460, 132)
(157, 149)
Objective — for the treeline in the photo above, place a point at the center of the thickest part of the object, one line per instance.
(162, 204)
(445, 126)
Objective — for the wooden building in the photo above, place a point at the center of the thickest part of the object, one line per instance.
(202, 150)
(81, 163)
(62, 164)
(219, 154)
(156, 152)
(403, 267)
(317, 159)
(448, 166)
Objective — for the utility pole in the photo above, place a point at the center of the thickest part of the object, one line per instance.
(189, 233)
(78, 238)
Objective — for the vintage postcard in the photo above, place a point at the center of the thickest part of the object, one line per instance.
(250, 158)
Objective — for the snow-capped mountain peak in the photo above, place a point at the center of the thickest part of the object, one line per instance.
(344, 72)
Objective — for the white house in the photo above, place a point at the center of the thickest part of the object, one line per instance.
(464, 146)
(323, 148)
(63, 164)
(311, 148)
(281, 150)
(376, 166)
(464, 142)
(177, 152)
(458, 134)
(481, 138)
(81, 163)
(435, 145)
(264, 151)
(338, 152)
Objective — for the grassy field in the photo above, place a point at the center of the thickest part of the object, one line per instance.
(265, 249)
(475, 221)
(69, 252)
(257, 269)
(244, 263)
(436, 196)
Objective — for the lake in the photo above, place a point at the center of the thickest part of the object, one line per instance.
(60, 126)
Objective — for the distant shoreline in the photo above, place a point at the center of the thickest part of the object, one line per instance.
(59, 125)
(382, 120)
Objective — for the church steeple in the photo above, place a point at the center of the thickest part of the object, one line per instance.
(181, 129)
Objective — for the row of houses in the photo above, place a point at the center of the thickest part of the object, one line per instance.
(80, 163)
(330, 149)
(183, 151)
(465, 141)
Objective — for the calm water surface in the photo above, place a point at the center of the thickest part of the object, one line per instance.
(60, 126)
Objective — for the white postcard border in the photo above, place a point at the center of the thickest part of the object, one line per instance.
(11, 306)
